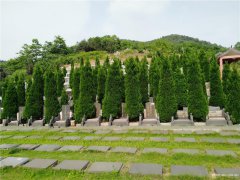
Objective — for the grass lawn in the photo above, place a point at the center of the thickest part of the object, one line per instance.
(164, 159)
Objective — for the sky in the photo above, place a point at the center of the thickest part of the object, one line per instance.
(216, 21)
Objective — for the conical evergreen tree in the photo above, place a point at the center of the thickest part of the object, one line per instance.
(166, 100)
(143, 80)
(37, 93)
(132, 89)
(71, 75)
(226, 80)
(51, 105)
(95, 76)
(113, 94)
(233, 97)
(64, 97)
(197, 102)
(154, 76)
(85, 102)
(101, 83)
(181, 88)
(21, 90)
(29, 100)
(64, 71)
(10, 104)
(76, 84)
(216, 89)
(205, 66)
(106, 63)
(60, 81)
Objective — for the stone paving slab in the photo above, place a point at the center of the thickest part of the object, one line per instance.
(71, 138)
(184, 139)
(146, 169)
(102, 131)
(159, 131)
(41, 163)
(111, 138)
(187, 151)
(120, 131)
(8, 146)
(34, 137)
(134, 139)
(103, 167)
(69, 131)
(13, 161)
(227, 171)
(229, 133)
(54, 137)
(155, 150)
(19, 137)
(202, 132)
(179, 131)
(86, 131)
(233, 141)
(188, 170)
(47, 147)
(4, 136)
(221, 153)
(213, 140)
(159, 139)
(70, 148)
(98, 148)
(140, 131)
(91, 138)
(121, 149)
(28, 146)
(72, 165)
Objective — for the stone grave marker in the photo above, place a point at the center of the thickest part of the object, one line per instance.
(13, 161)
(41, 163)
(98, 148)
(227, 171)
(48, 147)
(72, 165)
(188, 170)
(70, 148)
(146, 169)
(221, 153)
(28, 146)
(8, 146)
(159, 139)
(187, 151)
(131, 150)
(154, 150)
(104, 167)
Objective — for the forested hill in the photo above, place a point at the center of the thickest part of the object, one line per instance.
(58, 53)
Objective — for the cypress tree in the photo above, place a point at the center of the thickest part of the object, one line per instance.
(113, 94)
(64, 71)
(10, 103)
(29, 100)
(166, 100)
(143, 80)
(85, 102)
(64, 97)
(226, 80)
(76, 85)
(37, 92)
(95, 76)
(60, 81)
(181, 88)
(197, 102)
(132, 89)
(51, 105)
(205, 66)
(101, 83)
(71, 75)
(106, 63)
(21, 90)
(233, 97)
(216, 89)
(154, 76)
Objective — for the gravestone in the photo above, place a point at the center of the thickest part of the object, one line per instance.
(91, 138)
(41, 163)
(188, 170)
(233, 141)
(65, 112)
(124, 114)
(71, 138)
(102, 167)
(98, 108)
(227, 171)
(48, 147)
(150, 111)
(19, 137)
(54, 137)
(5, 136)
(120, 131)
(34, 137)
(13, 161)
(70, 148)
(229, 133)
(187, 151)
(103, 132)
(221, 153)
(159, 139)
(155, 150)
(28, 146)
(213, 140)
(146, 169)
(184, 139)
(134, 139)
(8, 146)
(69, 131)
(111, 139)
(161, 131)
(98, 148)
(72, 165)
(20, 112)
(121, 149)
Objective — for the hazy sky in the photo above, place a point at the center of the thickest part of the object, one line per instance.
(75, 20)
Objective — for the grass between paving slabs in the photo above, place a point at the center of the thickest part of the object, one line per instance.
(165, 159)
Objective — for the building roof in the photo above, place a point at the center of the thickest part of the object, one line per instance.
(229, 52)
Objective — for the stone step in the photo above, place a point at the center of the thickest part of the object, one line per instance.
(182, 122)
(216, 122)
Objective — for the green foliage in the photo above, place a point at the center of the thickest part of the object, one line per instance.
(51, 104)
(10, 103)
(64, 71)
(233, 97)
(101, 77)
(216, 89)
(113, 94)
(76, 85)
(95, 75)
(21, 90)
(29, 100)
(166, 100)
(143, 80)
(85, 102)
(181, 88)
(64, 97)
(58, 46)
(205, 66)
(154, 76)
(71, 75)
(226, 80)
(197, 102)
(132, 89)
(60, 81)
